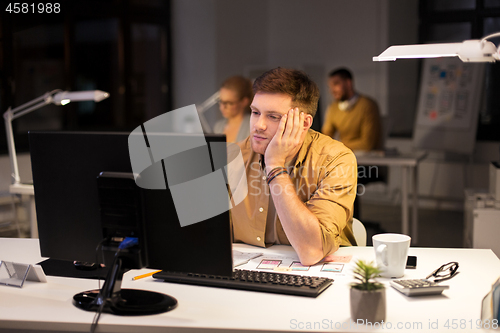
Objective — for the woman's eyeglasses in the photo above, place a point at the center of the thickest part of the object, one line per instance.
(227, 103)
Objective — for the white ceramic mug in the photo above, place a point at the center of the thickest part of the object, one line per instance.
(391, 251)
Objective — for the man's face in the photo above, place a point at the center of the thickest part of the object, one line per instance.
(267, 110)
(339, 88)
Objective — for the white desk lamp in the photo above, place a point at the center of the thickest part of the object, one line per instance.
(211, 101)
(468, 51)
(57, 97)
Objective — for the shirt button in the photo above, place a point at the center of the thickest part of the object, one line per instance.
(264, 178)
(261, 209)
(258, 239)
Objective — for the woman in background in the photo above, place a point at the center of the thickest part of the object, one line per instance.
(235, 96)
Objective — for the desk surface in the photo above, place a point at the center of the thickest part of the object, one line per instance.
(48, 306)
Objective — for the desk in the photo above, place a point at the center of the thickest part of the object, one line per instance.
(48, 306)
(409, 175)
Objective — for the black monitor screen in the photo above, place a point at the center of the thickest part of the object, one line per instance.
(65, 168)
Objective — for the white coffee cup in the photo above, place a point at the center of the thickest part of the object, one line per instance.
(391, 251)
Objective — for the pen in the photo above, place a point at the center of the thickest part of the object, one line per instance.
(144, 275)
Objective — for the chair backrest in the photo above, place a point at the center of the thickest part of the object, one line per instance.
(359, 231)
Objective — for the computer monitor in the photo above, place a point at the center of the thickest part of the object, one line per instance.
(66, 167)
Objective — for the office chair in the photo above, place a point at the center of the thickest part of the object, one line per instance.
(359, 231)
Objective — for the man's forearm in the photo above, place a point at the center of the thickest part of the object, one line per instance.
(300, 224)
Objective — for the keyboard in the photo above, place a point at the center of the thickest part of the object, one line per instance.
(269, 282)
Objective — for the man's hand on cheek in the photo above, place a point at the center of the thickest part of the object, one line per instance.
(286, 140)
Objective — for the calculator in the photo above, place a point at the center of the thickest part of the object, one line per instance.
(418, 287)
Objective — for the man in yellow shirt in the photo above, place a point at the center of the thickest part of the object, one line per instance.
(301, 183)
(354, 117)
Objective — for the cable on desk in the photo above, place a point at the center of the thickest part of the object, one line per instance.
(99, 246)
(101, 300)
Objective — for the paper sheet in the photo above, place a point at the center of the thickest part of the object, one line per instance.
(240, 258)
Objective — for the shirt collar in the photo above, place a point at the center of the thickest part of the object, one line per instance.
(349, 104)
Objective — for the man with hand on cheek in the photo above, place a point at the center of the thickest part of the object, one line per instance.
(301, 183)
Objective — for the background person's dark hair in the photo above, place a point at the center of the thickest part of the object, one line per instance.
(241, 85)
(294, 83)
(342, 72)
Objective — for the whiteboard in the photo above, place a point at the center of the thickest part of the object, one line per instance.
(448, 105)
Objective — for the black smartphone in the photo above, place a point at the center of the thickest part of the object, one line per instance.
(411, 262)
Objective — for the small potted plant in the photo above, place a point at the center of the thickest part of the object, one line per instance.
(368, 300)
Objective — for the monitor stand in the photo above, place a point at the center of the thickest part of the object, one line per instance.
(125, 302)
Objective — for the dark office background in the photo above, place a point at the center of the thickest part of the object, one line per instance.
(118, 46)
(124, 47)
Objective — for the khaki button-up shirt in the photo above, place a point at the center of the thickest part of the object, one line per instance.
(324, 175)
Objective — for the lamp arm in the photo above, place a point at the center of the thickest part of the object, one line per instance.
(12, 148)
(496, 34)
(21, 113)
(12, 114)
(496, 55)
(212, 100)
(31, 106)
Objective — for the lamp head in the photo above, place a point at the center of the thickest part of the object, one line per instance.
(478, 51)
(64, 97)
(468, 51)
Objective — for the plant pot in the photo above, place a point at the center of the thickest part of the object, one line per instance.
(368, 306)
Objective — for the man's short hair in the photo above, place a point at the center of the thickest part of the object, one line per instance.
(344, 73)
(294, 83)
